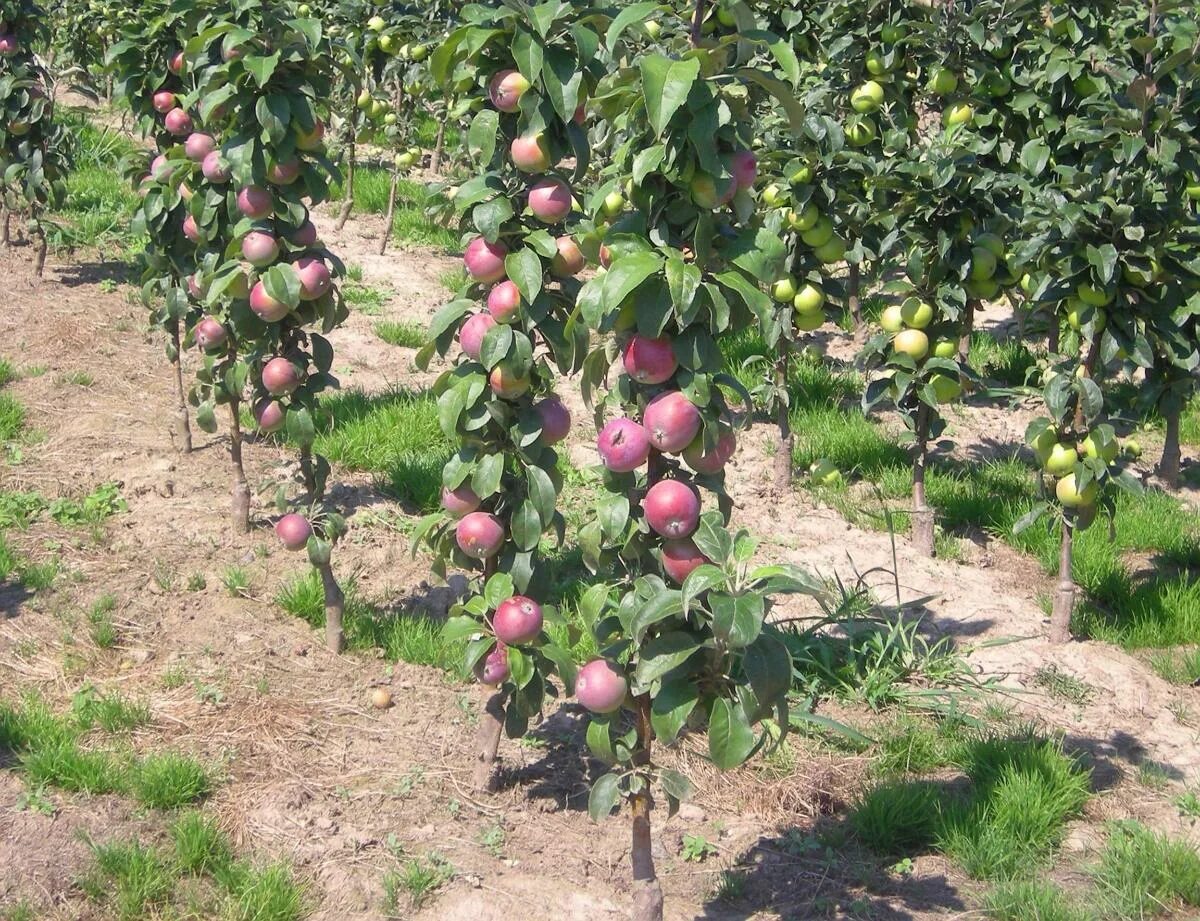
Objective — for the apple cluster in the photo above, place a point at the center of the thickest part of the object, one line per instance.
(908, 323)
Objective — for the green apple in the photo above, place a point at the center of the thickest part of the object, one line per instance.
(945, 388)
(892, 33)
(304, 9)
(992, 243)
(1044, 443)
(911, 342)
(824, 473)
(418, 52)
(404, 160)
(867, 98)
(983, 263)
(819, 234)
(1093, 296)
(809, 299)
(376, 24)
(1061, 460)
(861, 133)
(1193, 191)
(653, 29)
(1091, 447)
(802, 176)
(387, 44)
(1028, 284)
(945, 348)
(806, 219)
(390, 118)
(985, 290)
(892, 318)
(960, 113)
(832, 251)
(772, 195)
(876, 65)
(378, 107)
(807, 322)
(997, 84)
(364, 100)
(1133, 448)
(1072, 497)
(726, 17)
(1080, 314)
(916, 313)
(943, 82)
(784, 289)
(614, 204)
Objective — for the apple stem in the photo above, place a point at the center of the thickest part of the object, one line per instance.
(1089, 369)
(968, 327)
(647, 891)
(439, 146)
(491, 720)
(182, 429)
(1064, 596)
(922, 515)
(335, 607)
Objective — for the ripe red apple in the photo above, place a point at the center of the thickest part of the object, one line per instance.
(680, 558)
(315, 281)
(492, 669)
(671, 421)
(162, 169)
(744, 166)
(485, 261)
(294, 530)
(650, 361)
(530, 154)
(198, 146)
(506, 90)
(210, 334)
(479, 535)
(601, 687)
(175, 63)
(712, 461)
(569, 259)
(507, 384)
(460, 501)
(556, 420)
(517, 621)
(8, 45)
(624, 445)
(215, 168)
(190, 230)
(672, 508)
(280, 377)
(265, 307)
(504, 302)
(310, 140)
(194, 288)
(255, 202)
(260, 248)
(305, 235)
(470, 337)
(178, 122)
(284, 173)
(550, 200)
(270, 415)
(163, 101)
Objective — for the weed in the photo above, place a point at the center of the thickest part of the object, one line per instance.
(1142, 873)
(8, 373)
(102, 630)
(237, 581)
(170, 780)
(19, 911)
(132, 877)
(1062, 684)
(1178, 666)
(196, 582)
(730, 886)
(1033, 901)
(419, 877)
(1153, 775)
(697, 848)
(367, 301)
(111, 712)
(77, 379)
(896, 818)
(174, 676)
(35, 800)
(492, 838)
(200, 845)
(269, 893)
(1188, 804)
(12, 417)
(405, 335)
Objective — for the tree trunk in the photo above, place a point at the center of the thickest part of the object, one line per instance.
(783, 454)
(1168, 465)
(1064, 595)
(439, 147)
(487, 738)
(854, 299)
(647, 891)
(968, 327)
(1053, 335)
(39, 263)
(335, 607)
(183, 430)
(348, 190)
(922, 533)
(241, 489)
(5, 238)
(308, 474)
(391, 213)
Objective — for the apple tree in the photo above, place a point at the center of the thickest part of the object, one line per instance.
(34, 156)
(681, 620)
(513, 327)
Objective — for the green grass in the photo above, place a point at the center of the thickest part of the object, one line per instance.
(8, 373)
(1142, 874)
(1022, 792)
(110, 711)
(409, 223)
(393, 435)
(420, 877)
(406, 335)
(364, 299)
(268, 893)
(1178, 666)
(1189, 424)
(12, 417)
(169, 780)
(133, 879)
(1031, 900)
(200, 846)
(1005, 362)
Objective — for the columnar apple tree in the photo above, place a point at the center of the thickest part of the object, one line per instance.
(682, 627)
(512, 328)
(147, 69)
(33, 156)
(266, 277)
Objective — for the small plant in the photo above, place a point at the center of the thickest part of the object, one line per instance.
(405, 335)
(420, 878)
(111, 712)
(133, 878)
(174, 676)
(35, 800)
(197, 582)
(1153, 775)
(101, 628)
(1033, 901)
(237, 580)
(697, 848)
(1188, 804)
(492, 838)
(200, 845)
(170, 780)
(1062, 684)
(730, 886)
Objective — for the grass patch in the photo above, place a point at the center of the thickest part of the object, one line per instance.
(410, 224)
(110, 711)
(1005, 362)
(12, 417)
(133, 879)
(200, 847)
(1061, 684)
(1178, 666)
(170, 780)
(8, 373)
(405, 335)
(364, 299)
(1142, 874)
(419, 879)
(394, 435)
(1030, 900)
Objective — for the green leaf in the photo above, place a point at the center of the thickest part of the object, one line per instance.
(671, 707)
(300, 427)
(629, 16)
(664, 653)
(498, 589)
(524, 268)
(768, 667)
(497, 343)
(660, 607)
(481, 137)
(527, 526)
(737, 619)
(700, 580)
(261, 68)
(489, 470)
(666, 85)
(282, 282)
(603, 798)
(730, 738)
(674, 784)
(457, 628)
(626, 274)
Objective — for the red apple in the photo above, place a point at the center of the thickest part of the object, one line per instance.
(479, 535)
(680, 558)
(163, 101)
(744, 166)
(492, 669)
(315, 281)
(255, 202)
(530, 154)
(671, 421)
(284, 173)
(210, 335)
(507, 384)
(260, 248)
(198, 146)
(550, 200)
(310, 140)
(215, 168)
(624, 445)
(270, 415)
(470, 336)
(710, 461)
(504, 302)
(460, 501)
(601, 687)
(506, 90)
(650, 361)
(178, 122)
(672, 508)
(294, 530)
(265, 307)
(556, 420)
(517, 621)
(569, 260)
(280, 377)
(175, 63)
(485, 261)
(190, 230)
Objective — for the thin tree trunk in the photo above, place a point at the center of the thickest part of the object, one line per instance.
(241, 489)
(39, 263)
(5, 238)
(1168, 465)
(1064, 595)
(647, 891)
(308, 473)
(968, 327)
(183, 430)
(439, 147)
(487, 739)
(1053, 335)
(348, 202)
(335, 607)
(922, 534)
(783, 454)
(854, 298)
(391, 213)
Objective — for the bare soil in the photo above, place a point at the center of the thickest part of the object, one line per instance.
(311, 773)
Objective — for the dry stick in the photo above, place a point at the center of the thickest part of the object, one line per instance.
(391, 212)
(491, 721)
(1168, 465)
(5, 241)
(183, 431)
(647, 891)
(783, 454)
(968, 327)
(922, 514)
(335, 607)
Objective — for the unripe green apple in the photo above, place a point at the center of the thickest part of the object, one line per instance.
(653, 29)
(876, 65)
(806, 219)
(387, 44)
(984, 290)
(916, 313)
(1093, 296)
(943, 82)
(1133, 448)
(911, 342)
(945, 348)
(861, 133)
(802, 176)
(1080, 314)
(614, 204)
(825, 473)
(725, 17)
(404, 160)
(892, 33)
(772, 195)
(1028, 284)
(892, 318)
(960, 113)
(819, 234)
(364, 100)
(1043, 444)
(807, 322)
(867, 98)
(809, 299)
(376, 24)
(1061, 460)
(1072, 497)
(418, 52)
(983, 263)
(992, 243)
(784, 289)
(834, 250)
(1092, 448)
